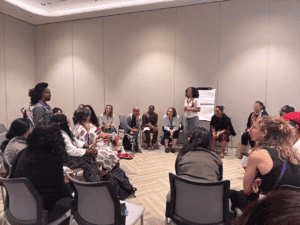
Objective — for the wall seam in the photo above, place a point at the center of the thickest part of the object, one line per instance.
(5, 80)
(268, 53)
(219, 50)
(72, 30)
(176, 15)
(103, 63)
(138, 52)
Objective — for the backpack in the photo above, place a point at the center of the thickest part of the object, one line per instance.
(121, 184)
(127, 142)
(27, 114)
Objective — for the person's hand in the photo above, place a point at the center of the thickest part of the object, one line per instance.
(137, 117)
(134, 130)
(255, 185)
(185, 108)
(110, 125)
(99, 131)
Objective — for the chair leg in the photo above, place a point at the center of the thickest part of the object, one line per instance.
(142, 220)
(166, 221)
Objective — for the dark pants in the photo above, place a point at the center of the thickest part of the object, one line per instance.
(167, 134)
(154, 138)
(240, 200)
(59, 209)
(246, 138)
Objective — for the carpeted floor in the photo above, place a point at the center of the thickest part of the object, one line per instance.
(148, 172)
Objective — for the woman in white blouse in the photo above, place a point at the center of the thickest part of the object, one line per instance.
(171, 126)
(191, 109)
(79, 154)
(107, 120)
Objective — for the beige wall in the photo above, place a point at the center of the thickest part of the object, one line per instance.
(247, 49)
(16, 67)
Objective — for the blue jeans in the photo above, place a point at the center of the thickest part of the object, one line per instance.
(190, 124)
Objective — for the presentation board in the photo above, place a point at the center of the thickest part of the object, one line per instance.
(207, 98)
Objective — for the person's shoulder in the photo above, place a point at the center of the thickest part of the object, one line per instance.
(259, 154)
(165, 116)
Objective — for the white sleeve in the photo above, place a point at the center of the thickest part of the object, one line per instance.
(71, 149)
(197, 105)
(165, 123)
(113, 120)
(177, 123)
(78, 143)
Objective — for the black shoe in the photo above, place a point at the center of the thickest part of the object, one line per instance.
(167, 150)
(173, 150)
(137, 149)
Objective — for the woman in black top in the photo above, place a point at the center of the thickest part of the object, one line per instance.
(259, 111)
(42, 163)
(273, 158)
(221, 129)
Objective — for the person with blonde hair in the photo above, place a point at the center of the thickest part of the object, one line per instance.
(273, 163)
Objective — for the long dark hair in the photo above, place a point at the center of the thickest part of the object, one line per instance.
(199, 138)
(194, 91)
(56, 109)
(112, 110)
(62, 122)
(262, 105)
(94, 119)
(18, 128)
(47, 137)
(35, 94)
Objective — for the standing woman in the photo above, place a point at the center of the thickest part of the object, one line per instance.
(171, 128)
(39, 95)
(191, 109)
(259, 111)
(107, 120)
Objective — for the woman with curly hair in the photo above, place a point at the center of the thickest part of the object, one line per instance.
(42, 164)
(274, 157)
(191, 109)
(39, 95)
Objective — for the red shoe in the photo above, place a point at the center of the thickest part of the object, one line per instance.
(125, 156)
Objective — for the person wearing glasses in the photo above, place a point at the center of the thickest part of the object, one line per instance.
(39, 96)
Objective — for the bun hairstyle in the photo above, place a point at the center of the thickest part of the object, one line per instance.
(35, 93)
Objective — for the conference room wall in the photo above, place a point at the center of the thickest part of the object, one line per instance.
(19, 67)
(283, 78)
(3, 116)
(121, 64)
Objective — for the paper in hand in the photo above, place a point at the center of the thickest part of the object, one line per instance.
(244, 161)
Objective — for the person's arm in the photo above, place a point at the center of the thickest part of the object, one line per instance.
(71, 149)
(197, 107)
(144, 121)
(165, 123)
(112, 121)
(257, 161)
(213, 130)
(38, 115)
(101, 120)
(249, 122)
(220, 176)
(156, 119)
(127, 121)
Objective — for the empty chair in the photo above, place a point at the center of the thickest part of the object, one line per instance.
(2, 128)
(25, 205)
(97, 203)
(198, 202)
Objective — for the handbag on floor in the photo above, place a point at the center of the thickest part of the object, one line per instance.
(127, 142)
(121, 184)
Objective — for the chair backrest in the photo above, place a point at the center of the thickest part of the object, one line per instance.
(24, 202)
(2, 128)
(95, 203)
(199, 202)
(6, 164)
(2, 137)
(122, 121)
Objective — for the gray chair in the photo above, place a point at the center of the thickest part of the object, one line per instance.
(121, 126)
(289, 188)
(2, 137)
(6, 164)
(2, 128)
(25, 205)
(198, 202)
(97, 203)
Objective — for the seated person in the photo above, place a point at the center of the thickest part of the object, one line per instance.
(42, 164)
(171, 128)
(293, 119)
(57, 111)
(196, 161)
(107, 157)
(132, 124)
(259, 111)
(116, 142)
(286, 109)
(107, 120)
(80, 106)
(16, 141)
(267, 164)
(280, 207)
(149, 125)
(221, 128)
(79, 154)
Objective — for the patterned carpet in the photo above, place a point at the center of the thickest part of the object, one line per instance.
(148, 172)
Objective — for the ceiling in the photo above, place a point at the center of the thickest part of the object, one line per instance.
(50, 11)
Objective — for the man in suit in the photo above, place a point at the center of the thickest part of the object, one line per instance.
(132, 123)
